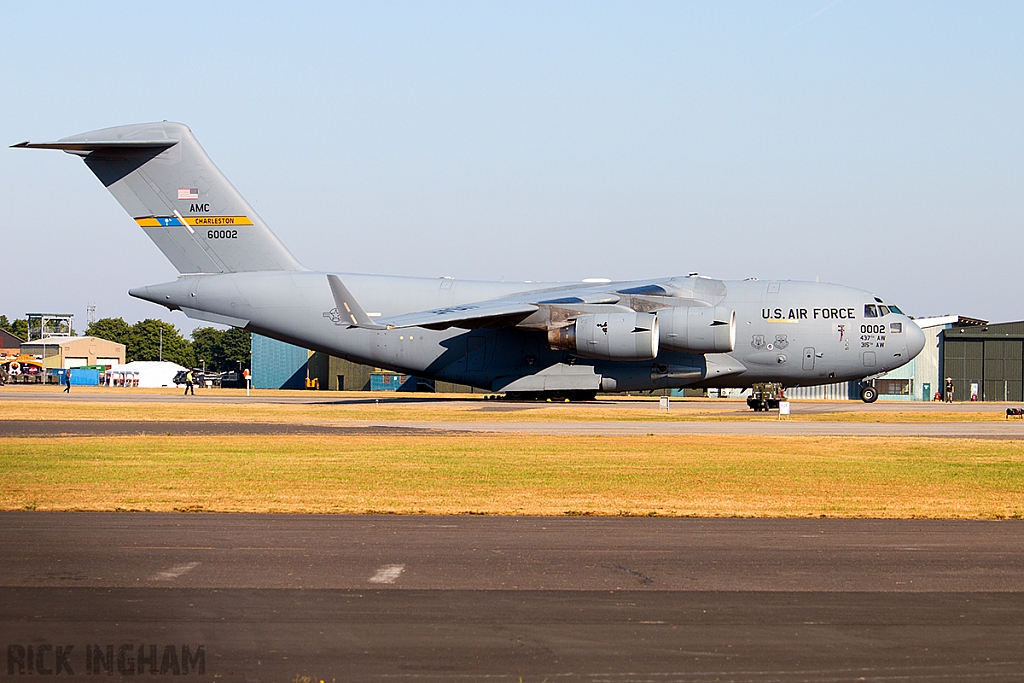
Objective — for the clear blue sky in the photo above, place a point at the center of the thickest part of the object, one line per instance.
(874, 144)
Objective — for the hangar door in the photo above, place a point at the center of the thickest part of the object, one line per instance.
(1003, 370)
(964, 361)
(995, 365)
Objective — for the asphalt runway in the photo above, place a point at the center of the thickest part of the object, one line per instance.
(1008, 430)
(382, 598)
(57, 428)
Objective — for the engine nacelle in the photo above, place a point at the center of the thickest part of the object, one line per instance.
(609, 336)
(698, 329)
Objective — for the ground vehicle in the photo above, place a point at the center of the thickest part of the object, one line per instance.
(764, 397)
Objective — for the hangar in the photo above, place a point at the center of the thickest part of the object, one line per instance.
(279, 365)
(986, 362)
(10, 346)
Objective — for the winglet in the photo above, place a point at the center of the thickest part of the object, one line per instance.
(348, 307)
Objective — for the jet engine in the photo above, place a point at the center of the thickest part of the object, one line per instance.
(698, 329)
(609, 336)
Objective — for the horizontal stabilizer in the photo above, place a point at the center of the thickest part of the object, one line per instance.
(96, 145)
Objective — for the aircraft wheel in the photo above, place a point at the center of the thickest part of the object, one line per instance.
(869, 394)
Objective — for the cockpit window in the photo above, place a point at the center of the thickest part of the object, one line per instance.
(895, 310)
(883, 310)
(870, 311)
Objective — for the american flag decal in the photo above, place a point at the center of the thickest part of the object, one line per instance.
(188, 193)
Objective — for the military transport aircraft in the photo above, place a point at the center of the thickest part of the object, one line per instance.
(523, 339)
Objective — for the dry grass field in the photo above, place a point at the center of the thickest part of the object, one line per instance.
(509, 474)
(516, 475)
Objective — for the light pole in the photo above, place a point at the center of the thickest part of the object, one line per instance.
(161, 343)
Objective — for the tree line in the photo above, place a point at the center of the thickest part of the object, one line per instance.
(151, 339)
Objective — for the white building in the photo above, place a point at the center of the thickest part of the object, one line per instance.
(142, 373)
(918, 380)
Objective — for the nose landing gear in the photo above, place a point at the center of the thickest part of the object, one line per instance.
(868, 394)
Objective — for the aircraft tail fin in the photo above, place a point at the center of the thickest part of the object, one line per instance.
(165, 181)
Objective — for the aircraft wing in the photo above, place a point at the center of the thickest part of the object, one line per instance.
(506, 311)
(501, 312)
(469, 316)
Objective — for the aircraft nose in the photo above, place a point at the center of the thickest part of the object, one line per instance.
(915, 338)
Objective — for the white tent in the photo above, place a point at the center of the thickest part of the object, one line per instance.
(142, 373)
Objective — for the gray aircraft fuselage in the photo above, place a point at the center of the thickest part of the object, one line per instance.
(792, 333)
(519, 338)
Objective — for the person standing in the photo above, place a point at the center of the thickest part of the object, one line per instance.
(67, 381)
(949, 390)
(189, 386)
